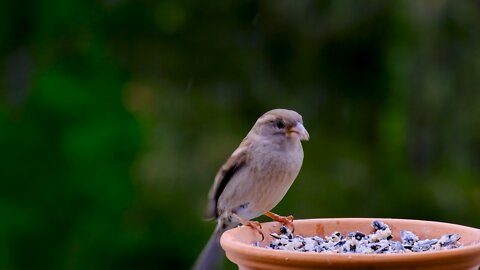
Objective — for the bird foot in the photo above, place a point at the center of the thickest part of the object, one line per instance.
(287, 221)
(256, 226)
(253, 224)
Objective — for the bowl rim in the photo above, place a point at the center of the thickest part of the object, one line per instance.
(231, 244)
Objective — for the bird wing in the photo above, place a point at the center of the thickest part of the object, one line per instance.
(236, 162)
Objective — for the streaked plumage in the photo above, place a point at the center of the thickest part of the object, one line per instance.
(256, 176)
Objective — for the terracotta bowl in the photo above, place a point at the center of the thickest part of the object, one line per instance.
(239, 248)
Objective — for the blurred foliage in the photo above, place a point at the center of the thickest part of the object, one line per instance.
(115, 116)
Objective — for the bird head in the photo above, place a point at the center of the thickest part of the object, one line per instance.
(281, 123)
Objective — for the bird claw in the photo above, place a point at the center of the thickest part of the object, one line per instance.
(256, 226)
(251, 223)
(287, 221)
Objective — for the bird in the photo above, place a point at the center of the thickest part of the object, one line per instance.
(254, 179)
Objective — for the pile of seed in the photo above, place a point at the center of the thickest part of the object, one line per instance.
(380, 241)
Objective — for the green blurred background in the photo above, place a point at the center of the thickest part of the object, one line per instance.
(116, 114)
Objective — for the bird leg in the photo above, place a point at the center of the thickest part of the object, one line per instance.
(251, 223)
(287, 221)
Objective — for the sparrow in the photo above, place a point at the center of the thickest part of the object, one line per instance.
(255, 178)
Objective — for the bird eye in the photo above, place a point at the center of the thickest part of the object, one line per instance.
(279, 124)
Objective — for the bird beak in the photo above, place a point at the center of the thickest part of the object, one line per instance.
(300, 130)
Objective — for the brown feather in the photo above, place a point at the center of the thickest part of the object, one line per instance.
(227, 171)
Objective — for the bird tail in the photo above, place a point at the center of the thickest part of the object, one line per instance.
(212, 254)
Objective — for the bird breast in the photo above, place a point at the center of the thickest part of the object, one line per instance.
(264, 181)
